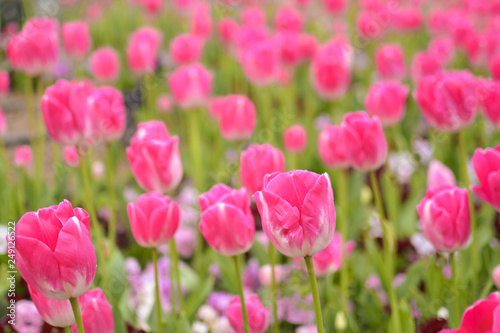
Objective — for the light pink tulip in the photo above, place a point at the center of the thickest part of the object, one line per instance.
(253, 16)
(154, 157)
(55, 312)
(70, 156)
(495, 276)
(186, 49)
(237, 117)
(226, 220)
(489, 99)
(387, 100)
(97, 315)
(295, 138)
(261, 62)
(76, 39)
(164, 103)
(142, 50)
(288, 19)
(258, 314)
(201, 20)
(256, 162)
(331, 258)
(107, 109)
(390, 62)
(4, 83)
(191, 86)
(439, 175)
(486, 164)
(425, 64)
(265, 272)
(297, 210)
(445, 217)
(54, 252)
(447, 100)
(3, 123)
(154, 219)
(105, 64)
(332, 147)
(23, 157)
(366, 144)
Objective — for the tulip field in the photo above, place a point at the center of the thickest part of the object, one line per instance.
(250, 166)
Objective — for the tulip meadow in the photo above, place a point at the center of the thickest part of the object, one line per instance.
(250, 166)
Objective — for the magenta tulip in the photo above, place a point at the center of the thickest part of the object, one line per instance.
(332, 147)
(105, 64)
(55, 312)
(426, 64)
(3, 123)
(142, 50)
(23, 156)
(76, 39)
(288, 19)
(70, 156)
(4, 83)
(390, 62)
(237, 117)
(258, 314)
(439, 175)
(253, 16)
(295, 138)
(201, 20)
(490, 101)
(486, 164)
(331, 258)
(185, 49)
(191, 86)
(335, 7)
(387, 100)
(494, 66)
(107, 109)
(261, 62)
(97, 315)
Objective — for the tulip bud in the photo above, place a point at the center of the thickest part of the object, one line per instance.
(142, 50)
(186, 49)
(105, 64)
(107, 109)
(265, 277)
(258, 315)
(425, 64)
(335, 7)
(76, 39)
(253, 16)
(295, 138)
(97, 315)
(227, 29)
(490, 101)
(495, 275)
(57, 313)
(331, 258)
(23, 157)
(261, 62)
(70, 156)
(332, 147)
(486, 164)
(288, 19)
(406, 19)
(201, 21)
(4, 83)
(494, 66)
(439, 175)
(387, 100)
(164, 103)
(390, 62)
(3, 123)
(191, 86)
(237, 117)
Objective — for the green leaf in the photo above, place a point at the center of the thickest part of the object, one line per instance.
(198, 297)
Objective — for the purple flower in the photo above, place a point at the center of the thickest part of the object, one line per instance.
(28, 320)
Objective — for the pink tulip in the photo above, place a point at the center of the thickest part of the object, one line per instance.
(308, 45)
(298, 215)
(335, 7)
(447, 100)
(105, 64)
(97, 315)
(366, 144)
(332, 147)
(288, 19)
(425, 64)
(54, 252)
(481, 317)
(371, 24)
(261, 63)
(164, 103)
(265, 277)
(495, 276)
(442, 48)
(247, 37)
(154, 219)
(201, 21)
(191, 86)
(154, 157)
(494, 66)
(237, 117)
(295, 138)
(330, 70)
(439, 175)
(226, 220)
(4, 83)
(390, 62)
(288, 42)
(331, 258)
(490, 101)
(406, 19)
(227, 30)
(23, 157)
(70, 156)
(486, 164)
(151, 8)
(256, 162)
(3, 123)
(142, 50)
(253, 16)
(186, 49)
(55, 312)
(76, 39)
(107, 109)
(258, 314)
(445, 217)
(387, 100)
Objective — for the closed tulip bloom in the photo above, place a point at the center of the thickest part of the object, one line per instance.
(390, 62)
(253, 16)
(164, 103)
(142, 50)
(445, 217)
(23, 156)
(256, 162)
(186, 49)
(54, 252)
(226, 220)
(308, 45)
(151, 8)
(331, 258)
(105, 64)
(288, 19)
(191, 85)
(406, 19)
(295, 138)
(265, 277)
(227, 29)
(371, 24)
(481, 317)
(97, 315)
(55, 312)
(3, 123)
(261, 63)
(70, 156)
(494, 66)
(290, 49)
(76, 39)
(246, 37)
(332, 147)
(258, 314)
(366, 144)
(154, 157)
(4, 83)
(154, 219)
(486, 164)
(439, 175)
(297, 210)
(490, 101)
(426, 64)
(201, 21)
(495, 276)
(335, 7)
(448, 100)
(442, 48)
(387, 100)
(107, 109)
(237, 117)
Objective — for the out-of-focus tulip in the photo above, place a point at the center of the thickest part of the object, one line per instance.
(406, 19)
(258, 314)
(288, 19)
(387, 100)
(191, 86)
(332, 147)
(154, 219)
(366, 144)
(481, 317)
(495, 276)
(28, 320)
(226, 220)
(253, 15)
(105, 64)
(447, 100)
(439, 175)
(331, 258)
(237, 117)
(371, 24)
(186, 49)
(256, 162)
(23, 157)
(76, 39)
(142, 50)
(425, 64)
(4, 83)
(330, 70)
(246, 37)
(295, 138)
(261, 63)
(335, 7)
(494, 66)
(154, 157)
(265, 276)
(489, 99)
(445, 217)
(97, 315)
(308, 45)
(54, 252)
(297, 210)
(227, 29)
(55, 312)
(442, 48)
(151, 8)
(3, 123)
(390, 62)
(107, 109)
(164, 103)
(486, 164)
(201, 20)
(70, 156)
(289, 46)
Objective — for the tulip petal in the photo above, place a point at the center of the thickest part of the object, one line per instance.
(163, 224)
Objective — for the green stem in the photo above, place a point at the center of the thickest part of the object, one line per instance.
(242, 296)
(174, 255)
(454, 277)
(32, 125)
(266, 110)
(466, 181)
(157, 290)
(237, 175)
(67, 329)
(20, 192)
(196, 149)
(112, 195)
(77, 313)
(274, 287)
(315, 293)
(40, 148)
(8, 180)
(173, 298)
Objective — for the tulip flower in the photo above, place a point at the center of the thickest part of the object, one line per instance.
(261, 63)
(142, 50)
(164, 103)
(76, 39)
(3, 123)
(107, 109)
(54, 252)
(332, 147)
(442, 48)
(237, 117)
(96, 311)
(265, 275)
(105, 64)
(295, 138)
(70, 156)
(390, 62)
(257, 161)
(151, 8)
(253, 16)
(494, 66)
(490, 101)
(186, 49)
(191, 86)
(406, 19)
(335, 7)
(371, 25)
(288, 19)
(288, 42)
(227, 29)
(486, 164)
(154, 157)
(258, 314)
(425, 64)
(331, 258)
(387, 100)
(23, 157)
(55, 312)
(495, 276)
(201, 21)
(439, 175)
(4, 83)
(154, 219)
